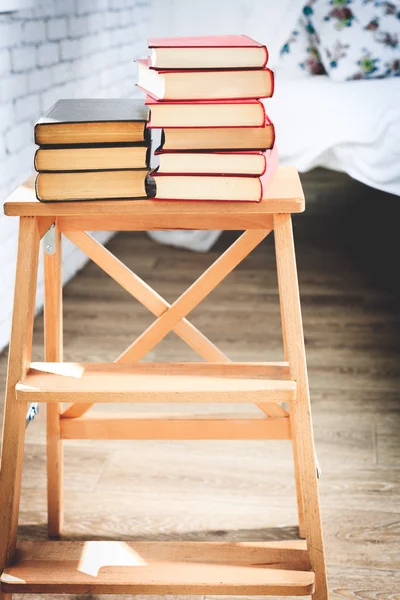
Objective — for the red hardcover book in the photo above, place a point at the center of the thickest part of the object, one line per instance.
(206, 113)
(207, 52)
(222, 188)
(219, 138)
(197, 84)
(241, 162)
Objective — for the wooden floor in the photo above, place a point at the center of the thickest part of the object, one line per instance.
(245, 490)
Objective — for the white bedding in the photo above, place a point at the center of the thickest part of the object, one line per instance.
(352, 126)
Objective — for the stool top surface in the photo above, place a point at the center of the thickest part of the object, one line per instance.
(283, 195)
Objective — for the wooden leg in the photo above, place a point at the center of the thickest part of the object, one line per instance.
(53, 339)
(299, 495)
(18, 362)
(301, 413)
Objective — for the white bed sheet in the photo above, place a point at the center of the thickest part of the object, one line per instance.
(352, 126)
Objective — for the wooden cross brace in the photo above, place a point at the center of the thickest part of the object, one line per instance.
(169, 317)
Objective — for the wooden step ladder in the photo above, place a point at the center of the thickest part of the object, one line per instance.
(288, 568)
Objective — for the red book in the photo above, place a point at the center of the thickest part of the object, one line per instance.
(219, 138)
(197, 84)
(206, 113)
(207, 52)
(241, 162)
(217, 187)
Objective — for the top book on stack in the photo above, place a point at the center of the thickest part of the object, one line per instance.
(90, 121)
(206, 68)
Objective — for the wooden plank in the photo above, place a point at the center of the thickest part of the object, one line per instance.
(190, 382)
(300, 410)
(252, 370)
(193, 295)
(167, 220)
(53, 344)
(274, 568)
(299, 495)
(284, 194)
(175, 427)
(299, 492)
(273, 410)
(277, 370)
(18, 362)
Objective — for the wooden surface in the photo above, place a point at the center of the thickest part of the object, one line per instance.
(284, 194)
(175, 427)
(238, 491)
(53, 347)
(278, 568)
(301, 420)
(79, 382)
(19, 358)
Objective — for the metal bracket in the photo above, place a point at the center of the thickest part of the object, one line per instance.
(32, 412)
(49, 240)
(319, 470)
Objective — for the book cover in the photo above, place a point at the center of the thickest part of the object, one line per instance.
(89, 121)
(200, 84)
(225, 183)
(98, 157)
(247, 112)
(205, 41)
(232, 158)
(182, 139)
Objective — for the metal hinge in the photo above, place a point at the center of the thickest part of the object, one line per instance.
(319, 470)
(32, 412)
(49, 240)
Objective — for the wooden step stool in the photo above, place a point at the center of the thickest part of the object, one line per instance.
(285, 568)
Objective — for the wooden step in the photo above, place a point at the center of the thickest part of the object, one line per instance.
(162, 426)
(156, 382)
(271, 568)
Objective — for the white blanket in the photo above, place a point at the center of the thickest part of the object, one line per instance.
(352, 126)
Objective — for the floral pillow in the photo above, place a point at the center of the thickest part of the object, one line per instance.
(301, 51)
(348, 39)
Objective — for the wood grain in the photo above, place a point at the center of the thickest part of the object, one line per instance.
(175, 427)
(301, 421)
(19, 358)
(53, 348)
(154, 382)
(163, 568)
(284, 194)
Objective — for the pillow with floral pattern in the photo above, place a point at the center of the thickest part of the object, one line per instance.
(353, 39)
(300, 53)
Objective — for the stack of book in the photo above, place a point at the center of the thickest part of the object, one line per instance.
(204, 93)
(92, 149)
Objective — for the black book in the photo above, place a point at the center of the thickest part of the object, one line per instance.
(93, 121)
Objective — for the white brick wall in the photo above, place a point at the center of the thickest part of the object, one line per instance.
(58, 49)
